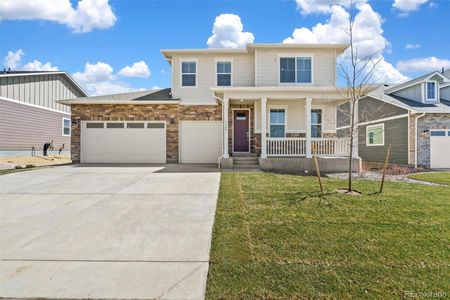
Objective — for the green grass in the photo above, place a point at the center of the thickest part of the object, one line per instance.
(436, 177)
(274, 237)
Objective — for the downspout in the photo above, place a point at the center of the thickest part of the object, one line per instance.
(416, 138)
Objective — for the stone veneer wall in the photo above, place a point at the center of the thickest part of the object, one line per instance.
(424, 124)
(142, 112)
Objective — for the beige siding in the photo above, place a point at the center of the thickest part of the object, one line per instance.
(23, 126)
(413, 93)
(267, 61)
(243, 75)
(40, 90)
(296, 115)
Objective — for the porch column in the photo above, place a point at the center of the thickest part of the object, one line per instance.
(263, 127)
(225, 128)
(308, 126)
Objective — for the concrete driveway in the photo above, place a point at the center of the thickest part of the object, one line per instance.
(106, 232)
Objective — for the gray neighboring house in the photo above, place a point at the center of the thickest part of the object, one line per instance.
(414, 117)
(29, 113)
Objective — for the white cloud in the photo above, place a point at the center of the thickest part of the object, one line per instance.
(99, 79)
(407, 6)
(13, 59)
(155, 87)
(322, 6)
(88, 15)
(38, 66)
(412, 46)
(425, 64)
(368, 37)
(433, 5)
(138, 69)
(228, 32)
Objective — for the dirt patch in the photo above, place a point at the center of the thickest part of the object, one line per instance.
(347, 192)
(36, 161)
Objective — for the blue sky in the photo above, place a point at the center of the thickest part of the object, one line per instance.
(133, 31)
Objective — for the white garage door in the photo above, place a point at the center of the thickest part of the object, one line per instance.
(200, 142)
(439, 148)
(123, 142)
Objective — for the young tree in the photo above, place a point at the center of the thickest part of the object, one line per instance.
(357, 72)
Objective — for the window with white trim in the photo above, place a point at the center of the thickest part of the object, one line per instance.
(223, 73)
(189, 73)
(296, 69)
(375, 135)
(66, 127)
(431, 90)
(316, 123)
(277, 121)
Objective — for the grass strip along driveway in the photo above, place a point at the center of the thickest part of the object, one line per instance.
(274, 237)
(436, 177)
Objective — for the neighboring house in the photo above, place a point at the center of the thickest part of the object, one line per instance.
(29, 114)
(274, 101)
(414, 117)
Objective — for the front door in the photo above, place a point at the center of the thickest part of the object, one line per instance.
(241, 131)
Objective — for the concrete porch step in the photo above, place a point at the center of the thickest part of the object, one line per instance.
(249, 167)
(244, 155)
(246, 162)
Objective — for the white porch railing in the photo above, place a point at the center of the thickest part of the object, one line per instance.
(297, 146)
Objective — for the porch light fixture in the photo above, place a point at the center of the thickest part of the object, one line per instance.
(172, 121)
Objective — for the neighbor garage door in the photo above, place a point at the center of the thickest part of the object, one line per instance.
(200, 142)
(123, 142)
(439, 148)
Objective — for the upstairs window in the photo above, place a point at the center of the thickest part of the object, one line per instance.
(223, 73)
(295, 70)
(189, 73)
(431, 90)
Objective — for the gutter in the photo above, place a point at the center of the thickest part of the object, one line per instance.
(416, 137)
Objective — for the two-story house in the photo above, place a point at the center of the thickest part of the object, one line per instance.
(268, 101)
(413, 117)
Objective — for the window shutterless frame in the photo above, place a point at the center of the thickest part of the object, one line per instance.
(314, 110)
(370, 129)
(66, 127)
(295, 56)
(271, 108)
(428, 84)
(220, 72)
(188, 60)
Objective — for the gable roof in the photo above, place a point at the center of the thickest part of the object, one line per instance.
(139, 97)
(8, 73)
(414, 106)
(414, 81)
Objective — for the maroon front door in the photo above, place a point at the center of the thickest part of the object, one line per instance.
(241, 131)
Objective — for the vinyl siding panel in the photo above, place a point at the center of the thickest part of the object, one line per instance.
(412, 93)
(40, 90)
(23, 126)
(267, 65)
(395, 133)
(445, 93)
(242, 74)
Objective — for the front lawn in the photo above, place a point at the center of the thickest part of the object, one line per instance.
(274, 237)
(436, 177)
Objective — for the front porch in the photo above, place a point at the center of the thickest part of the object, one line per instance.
(282, 127)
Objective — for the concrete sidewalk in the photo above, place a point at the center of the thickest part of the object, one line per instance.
(106, 232)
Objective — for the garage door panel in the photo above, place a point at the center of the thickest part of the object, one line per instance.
(200, 142)
(439, 148)
(123, 145)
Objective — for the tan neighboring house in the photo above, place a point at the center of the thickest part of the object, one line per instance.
(266, 104)
(29, 113)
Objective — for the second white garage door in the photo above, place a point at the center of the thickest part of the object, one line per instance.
(439, 148)
(200, 141)
(123, 142)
